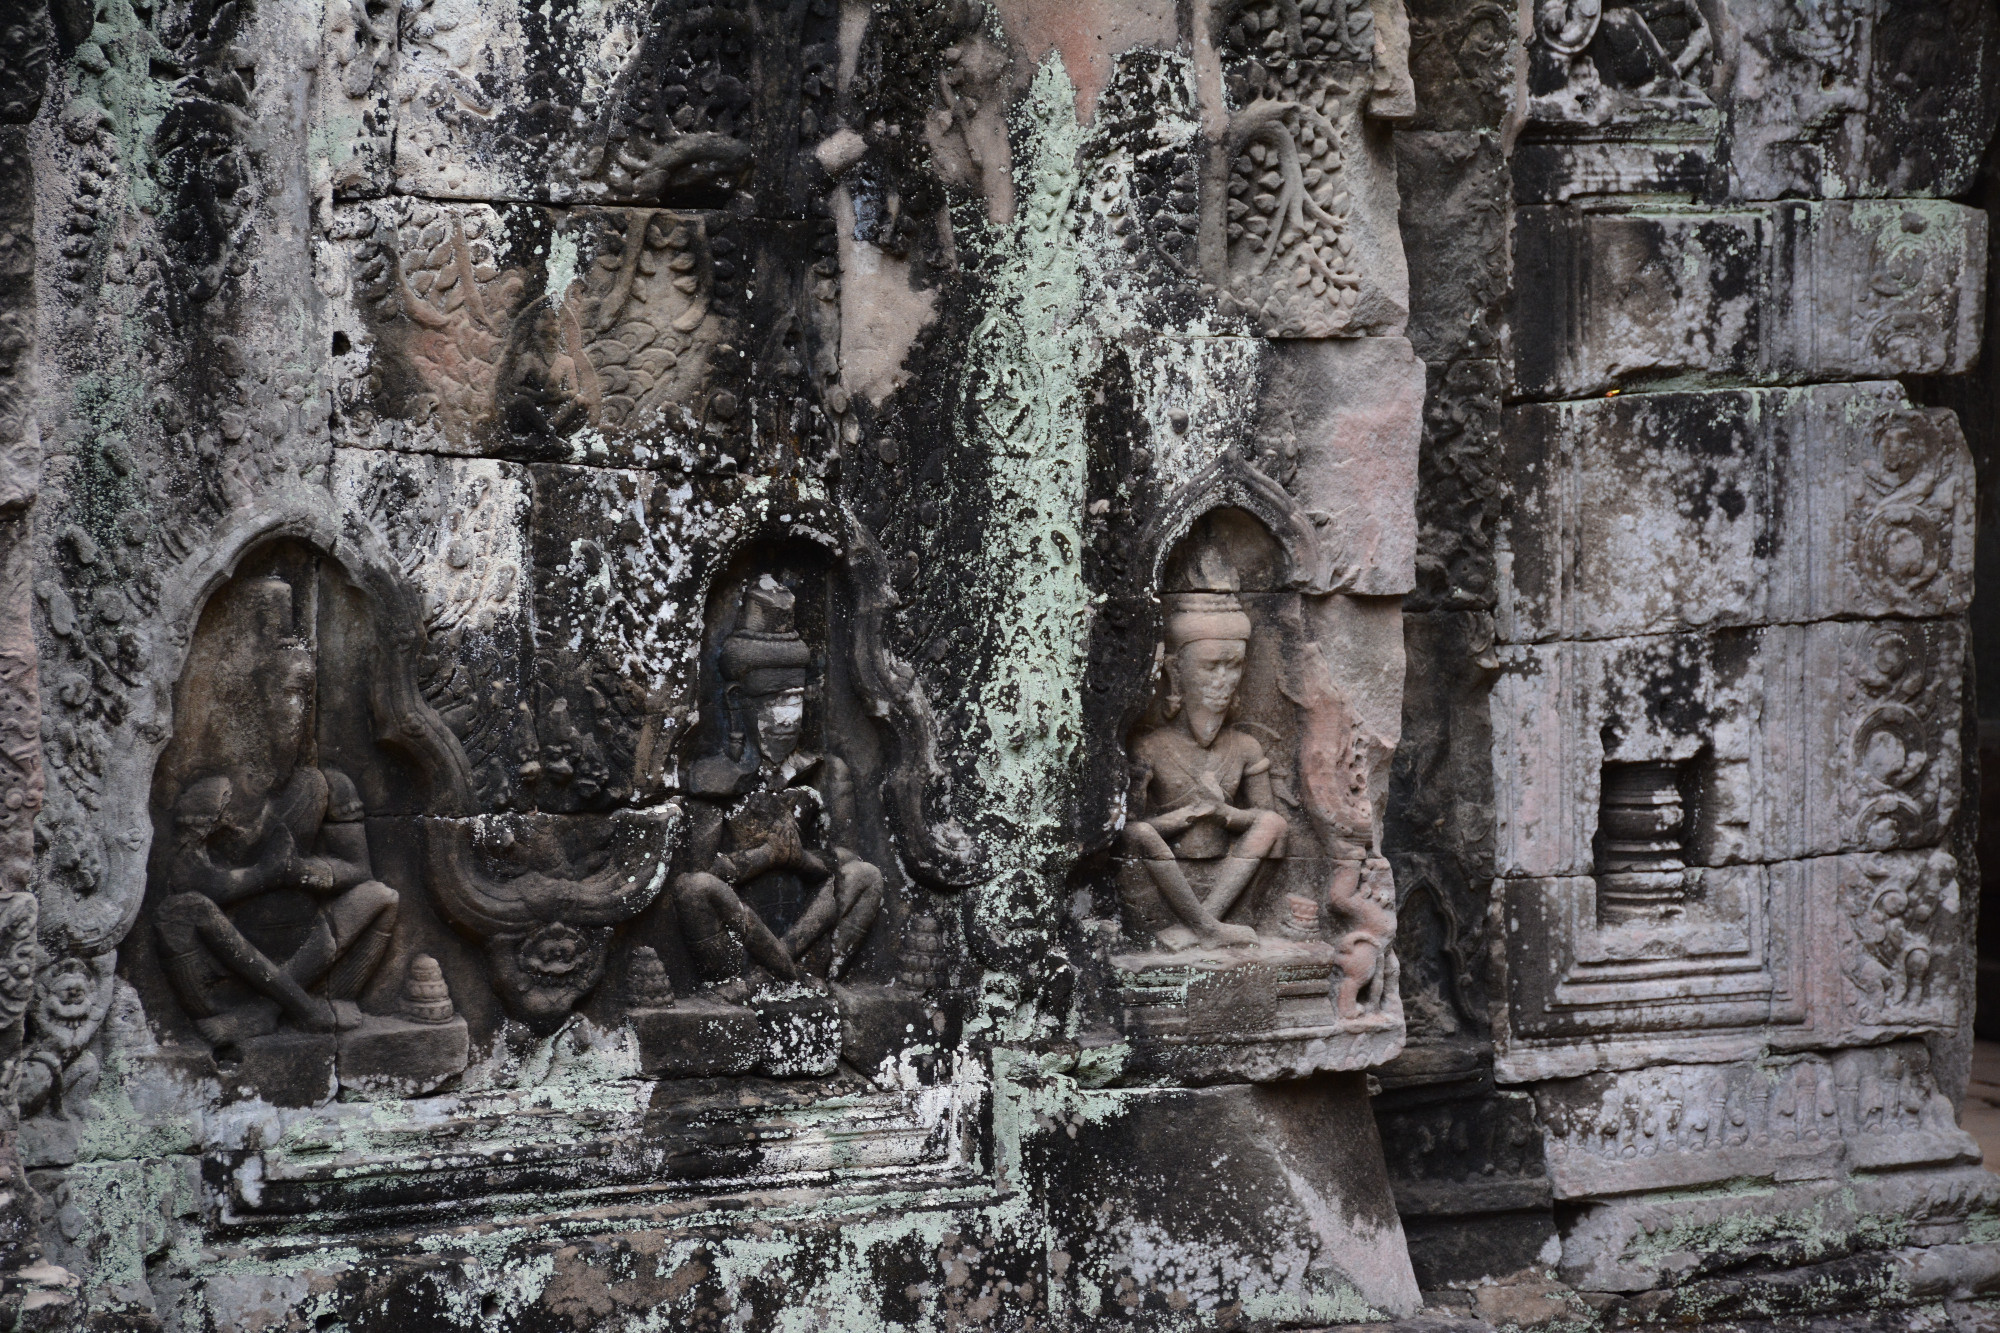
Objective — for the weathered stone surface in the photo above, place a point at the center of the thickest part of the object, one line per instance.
(1766, 100)
(1651, 513)
(1343, 1259)
(1675, 1127)
(1635, 1243)
(1779, 293)
(1802, 740)
(744, 665)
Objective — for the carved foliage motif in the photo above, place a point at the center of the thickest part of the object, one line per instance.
(1900, 751)
(439, 269)
(655, 339)
(1289, 144)
(1901, 922)
(1907, 514)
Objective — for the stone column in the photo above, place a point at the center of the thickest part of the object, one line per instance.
(27, 1281)
(1732, 569)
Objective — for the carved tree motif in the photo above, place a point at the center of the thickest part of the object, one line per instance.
(1289, 253)
(636, 317)
(437, 268)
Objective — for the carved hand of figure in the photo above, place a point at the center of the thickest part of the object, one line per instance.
(787, 851)
(276, 856)
(281, 861)
(1175, 822)
(1235, 817)
(310, 873)
(1568, 25)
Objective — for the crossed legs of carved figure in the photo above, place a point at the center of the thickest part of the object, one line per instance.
(347, 942)
(1197, 921)
(719, 926)
(196, 936)
(1263, 839)
(848, 902)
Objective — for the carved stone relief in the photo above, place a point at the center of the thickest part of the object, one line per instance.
(779, 895)
(270, 924)
(1767, 761)
(1298, 249)
(1769, 293)
(1676, 1126)
(1258, 917)
(520, 330)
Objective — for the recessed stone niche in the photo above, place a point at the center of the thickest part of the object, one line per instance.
(1256, 921)
(284, 894)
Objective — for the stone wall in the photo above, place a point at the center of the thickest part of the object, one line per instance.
(805, 664)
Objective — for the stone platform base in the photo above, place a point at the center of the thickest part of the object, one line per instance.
(1915, 1289)
(1229, 1015)
(787, 1032)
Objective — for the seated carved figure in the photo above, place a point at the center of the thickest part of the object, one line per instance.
(272, 908)
(1202, 789)
(772, 824)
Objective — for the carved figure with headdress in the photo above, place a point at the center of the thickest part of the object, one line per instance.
(776, 881)
(272, 912)
(1201, 790)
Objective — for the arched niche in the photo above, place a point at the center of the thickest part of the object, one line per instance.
(1256, 920)
(285, 926)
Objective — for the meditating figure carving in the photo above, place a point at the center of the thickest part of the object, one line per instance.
(772, 835)
(1201, 794)
(273, 912)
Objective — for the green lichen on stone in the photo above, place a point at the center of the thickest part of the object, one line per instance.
(1830, 1227)
(113, 70)
(1032, 355)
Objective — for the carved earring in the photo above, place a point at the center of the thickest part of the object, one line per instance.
(1173, 691)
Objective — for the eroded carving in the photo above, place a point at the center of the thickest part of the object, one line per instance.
(270, 908)
(1593, 60)
(1901, 914)
(774, 822)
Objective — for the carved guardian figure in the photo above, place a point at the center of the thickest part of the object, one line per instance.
(773, 824)
(273, 912)
(1202, 789)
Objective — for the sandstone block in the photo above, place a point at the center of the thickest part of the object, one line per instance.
(1649, 513)
(396, 1057)
(1783, 742)
(879, 1022)
(285, 1069)
(801, 1033)
(1776, 293)
(1830, 951)
(1353, 409)
(698, 1038)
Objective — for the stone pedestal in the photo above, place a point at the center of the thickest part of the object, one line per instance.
(697, 1038)
(285, 1069)
(395, 1056)
(801, 1030)
(1227, 1015)
(878, 1022)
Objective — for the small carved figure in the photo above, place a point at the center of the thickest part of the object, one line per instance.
(255, 877)
(772, 823)
(1201, 788)
(1894, 914)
